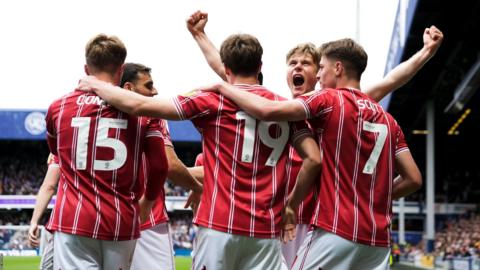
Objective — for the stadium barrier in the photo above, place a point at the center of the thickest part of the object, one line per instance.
(431, 262)
(469, 263)
(13, 241)
(177, 202)
(28, 202)
(13, 238)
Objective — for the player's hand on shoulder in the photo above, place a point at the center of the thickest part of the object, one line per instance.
(196, 22)
(206, 88)
(216, 87)
(89, 83)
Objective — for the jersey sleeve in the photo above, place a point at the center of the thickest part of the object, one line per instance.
(154, 128)
(52, 160)
(196, 104)
(165, 133)
(401, 143)
(157, 159)
(300, 129)
(50, 121)
(315, 103)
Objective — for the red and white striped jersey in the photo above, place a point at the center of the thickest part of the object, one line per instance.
(307, 207)
(359, 141)
(159, 211)
(244, 163)
(165, 132)
(99, 150)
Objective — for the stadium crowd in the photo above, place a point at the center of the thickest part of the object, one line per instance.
(182, 230)
(22, 174)
(14, 239)
(458, 238)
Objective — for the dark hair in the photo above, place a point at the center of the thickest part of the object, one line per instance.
(351, 54)
(131, 71)
(105, 53)
(242, 53)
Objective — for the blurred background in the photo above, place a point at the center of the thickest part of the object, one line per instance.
(42, 58)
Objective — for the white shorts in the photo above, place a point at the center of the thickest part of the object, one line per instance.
(325, 250)
(215, 250)
(290, 249)
(154, 249)
(79, 252)
(46, 261)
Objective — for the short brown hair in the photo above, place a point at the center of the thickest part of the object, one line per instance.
(351, 54)
(105, 53)
(305, 48)
(242, 53)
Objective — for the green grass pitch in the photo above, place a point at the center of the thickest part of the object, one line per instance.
(32, 262)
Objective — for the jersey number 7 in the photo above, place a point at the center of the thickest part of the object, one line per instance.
(382, 131)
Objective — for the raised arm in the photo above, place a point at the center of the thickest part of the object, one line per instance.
(45, 194)
(404, 72)
(196, 25)
(128, 101)
(262, 108)
(409, 179)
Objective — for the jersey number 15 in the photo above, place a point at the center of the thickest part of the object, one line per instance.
(101, 139)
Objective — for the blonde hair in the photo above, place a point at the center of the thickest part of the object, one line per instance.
(305, 48)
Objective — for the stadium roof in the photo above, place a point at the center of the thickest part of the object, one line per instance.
(453, 72)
